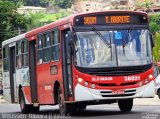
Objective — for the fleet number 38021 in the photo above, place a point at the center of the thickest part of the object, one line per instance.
(132, 78)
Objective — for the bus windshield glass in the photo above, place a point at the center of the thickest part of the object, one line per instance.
(117, 48)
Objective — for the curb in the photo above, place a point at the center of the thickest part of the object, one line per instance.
(147, 101)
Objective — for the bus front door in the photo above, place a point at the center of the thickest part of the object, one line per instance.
(67, 66)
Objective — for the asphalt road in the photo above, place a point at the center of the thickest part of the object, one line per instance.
(12, 111)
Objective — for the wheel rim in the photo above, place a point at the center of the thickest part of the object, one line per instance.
(61, 104)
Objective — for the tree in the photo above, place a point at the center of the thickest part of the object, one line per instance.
(146, 5)
(11, 21)
(156, 49)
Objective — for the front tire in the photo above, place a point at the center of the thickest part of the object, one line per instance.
(65, 108)
(81, 107)
(125, 105)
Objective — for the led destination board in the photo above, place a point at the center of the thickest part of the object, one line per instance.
(110, 19)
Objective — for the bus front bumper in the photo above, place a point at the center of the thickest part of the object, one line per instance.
(83, 93)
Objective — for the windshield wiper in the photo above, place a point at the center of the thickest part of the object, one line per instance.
(108, 44)
(126, 41)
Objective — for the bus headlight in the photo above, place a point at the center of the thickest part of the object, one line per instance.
(86, 84)
(151, 76)
(93, 86)
(80, 80)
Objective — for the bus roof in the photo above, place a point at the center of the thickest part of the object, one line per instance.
(16, 38)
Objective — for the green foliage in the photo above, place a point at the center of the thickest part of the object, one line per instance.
(155, 27)
(10, 20)
(39, 19)
(156, 49)
(43, 3)
(154, 23)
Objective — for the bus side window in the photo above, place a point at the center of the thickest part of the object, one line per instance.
(24, 49)
(46, 49)
(18, 55)
(40, 49)
(55, 48)
(5, 59)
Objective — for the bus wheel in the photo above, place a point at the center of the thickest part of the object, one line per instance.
(81, 107)
(64, 108)
(24, 107)
(125, 105)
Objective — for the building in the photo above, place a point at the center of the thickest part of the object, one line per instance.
(89, 6)
(30, 9)
(101, 5)
(122, 4)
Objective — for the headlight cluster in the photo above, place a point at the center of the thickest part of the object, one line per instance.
(146, 81)
(85, 83)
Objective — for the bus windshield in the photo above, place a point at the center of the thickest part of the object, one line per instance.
(117, 48)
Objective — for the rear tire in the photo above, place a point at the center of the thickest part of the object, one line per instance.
(125, 105)
(65, 108)
(24, 107)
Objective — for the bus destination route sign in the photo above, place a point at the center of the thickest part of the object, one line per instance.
(110, 19)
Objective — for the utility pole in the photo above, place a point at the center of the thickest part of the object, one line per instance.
(19, 30)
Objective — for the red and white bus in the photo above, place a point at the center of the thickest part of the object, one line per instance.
(84, 59)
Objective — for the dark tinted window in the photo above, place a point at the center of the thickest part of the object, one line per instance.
(55, 49)
(47, 39)
(55, 39)
(40, 41)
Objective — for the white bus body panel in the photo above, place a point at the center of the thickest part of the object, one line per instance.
(6, 74)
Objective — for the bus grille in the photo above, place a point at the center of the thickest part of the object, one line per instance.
(119, 95)
(123, 84)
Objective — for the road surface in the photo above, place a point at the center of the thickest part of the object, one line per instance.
(146, 108)
(12, 111)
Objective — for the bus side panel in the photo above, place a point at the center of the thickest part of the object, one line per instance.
(6, 87)
(45, 84)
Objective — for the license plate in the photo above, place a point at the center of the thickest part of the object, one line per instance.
(118, 92)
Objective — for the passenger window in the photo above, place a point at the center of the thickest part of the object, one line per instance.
(55, 39)
(5, 59)
(46, 55)
(18, 55)
(40, 41)
(18, 62)
(5, 52)
(40, 57)
(18, 48)
(40, 50)
(55, 49)
(47, 39)
(25, 52)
